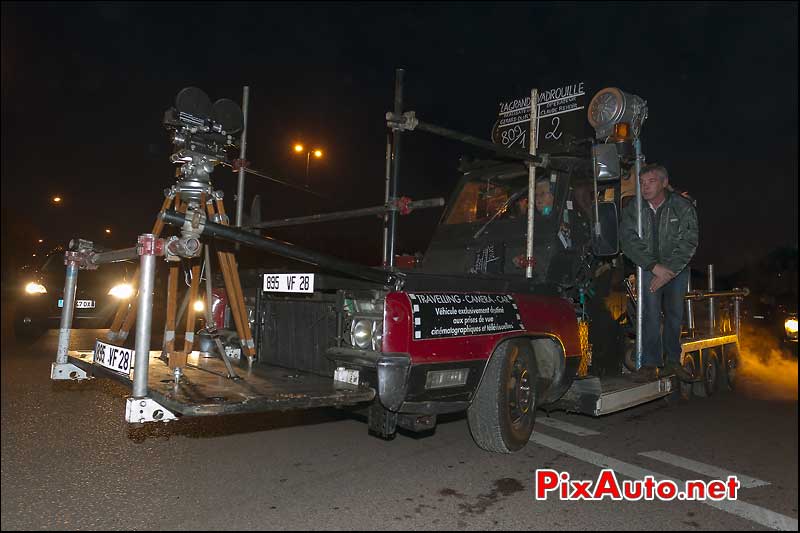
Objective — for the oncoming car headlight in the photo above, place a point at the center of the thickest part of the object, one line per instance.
(35, 288)
(367, 334)
(790, 325)
(121, 291)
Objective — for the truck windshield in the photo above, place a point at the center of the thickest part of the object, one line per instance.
(482, 199)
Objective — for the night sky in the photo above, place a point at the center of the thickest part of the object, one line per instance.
(85, 86)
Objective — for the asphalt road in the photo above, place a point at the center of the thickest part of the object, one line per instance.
(69, 461)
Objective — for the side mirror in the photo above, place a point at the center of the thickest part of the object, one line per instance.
(607, 242)
(606, 162)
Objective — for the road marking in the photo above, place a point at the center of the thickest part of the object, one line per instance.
(702, 468)
(745, 510)
(566, 426)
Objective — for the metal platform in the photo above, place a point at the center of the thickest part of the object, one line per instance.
(205, 390)
(595, 396)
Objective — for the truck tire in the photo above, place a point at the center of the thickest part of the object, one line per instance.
(502, 414)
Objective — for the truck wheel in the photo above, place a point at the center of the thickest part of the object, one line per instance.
(687, 388)
(710, 383)
(502, 414)
(730, 367)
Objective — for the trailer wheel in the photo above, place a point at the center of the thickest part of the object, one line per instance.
(502, 414)
(710, 374)
(629, 357)
(687, 389)
(730, 367)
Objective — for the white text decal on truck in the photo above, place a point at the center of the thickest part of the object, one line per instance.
(445, 315)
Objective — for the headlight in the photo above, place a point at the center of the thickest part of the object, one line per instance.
(377, 335)
(123, 291)
(35, 288)
(791, 326)
(361, 333)
(367, 334)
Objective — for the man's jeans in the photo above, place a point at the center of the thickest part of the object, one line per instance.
(668, 298)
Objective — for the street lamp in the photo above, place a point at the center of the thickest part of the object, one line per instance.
(316, 152)
(56, 199)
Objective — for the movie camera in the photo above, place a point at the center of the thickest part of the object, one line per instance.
(202, 133)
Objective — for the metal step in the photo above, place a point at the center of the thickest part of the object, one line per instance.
(595, 396)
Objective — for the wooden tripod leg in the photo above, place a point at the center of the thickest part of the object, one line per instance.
(249, 346)
(172, 308)
(234, 299)
(236, 296)
(126, 312)
(239, 317)
(224, 267)
(190, 312)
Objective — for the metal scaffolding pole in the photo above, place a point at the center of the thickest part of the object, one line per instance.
(64, 328)
(531, 185)
(242, 154)
(389, 249)
(637, 145)
(712, 316)
(144, 318)
(386, 201)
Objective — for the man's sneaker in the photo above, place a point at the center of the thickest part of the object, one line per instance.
(679, 371)
(645, 374)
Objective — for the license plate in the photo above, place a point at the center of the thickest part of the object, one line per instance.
(302, 283)
(79, 304)
(233, 353)
(113, 357)
(346, 375)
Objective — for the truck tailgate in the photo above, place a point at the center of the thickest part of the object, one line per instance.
(205, 390)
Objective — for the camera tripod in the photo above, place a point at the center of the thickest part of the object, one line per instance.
(189, 249)
(201, 132)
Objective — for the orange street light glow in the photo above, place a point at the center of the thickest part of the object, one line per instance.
(317, 153)
(298, 148)
(57, 199)
(41, 241)
(108, 231)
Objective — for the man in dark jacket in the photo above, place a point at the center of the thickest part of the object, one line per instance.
(668, 242)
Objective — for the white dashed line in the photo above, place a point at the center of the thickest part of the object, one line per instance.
(565, 426)
(745, 510)
(702, 468)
